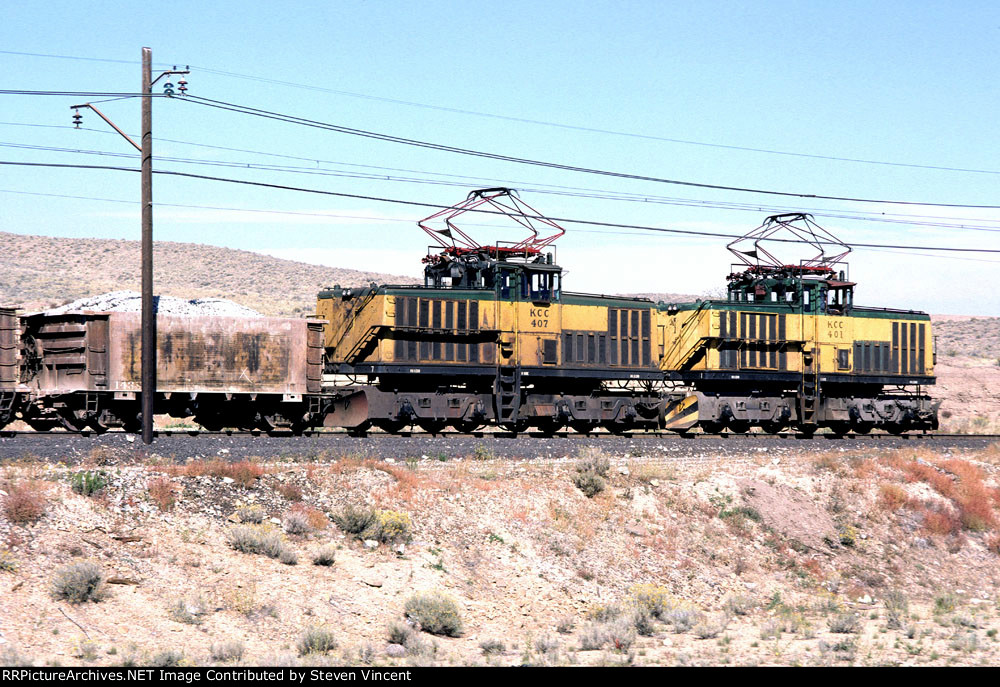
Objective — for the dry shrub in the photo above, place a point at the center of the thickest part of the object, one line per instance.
(163, 493)
(826, 461)
(308, 519)
(316, 518)
(295, 522)
(25, 502)
(939, 520)
(406, 479)
(291, 492)
(813, 567)
(867, 469)
(923, 472)
(976, 507)
(316, 640)
(79, 582)
(973, 498)
(435, 613)
(963, 469)
(244, 473)
(891, 497)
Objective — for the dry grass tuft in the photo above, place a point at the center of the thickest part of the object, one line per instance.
(163, 493)
(892, 497)
(25, 502)
(244, 474)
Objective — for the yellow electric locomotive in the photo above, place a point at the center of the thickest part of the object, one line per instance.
(491, 337)
(789, 348)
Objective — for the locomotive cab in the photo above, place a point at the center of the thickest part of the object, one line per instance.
(516, 275)
(809, 289)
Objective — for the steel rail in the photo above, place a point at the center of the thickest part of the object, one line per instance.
(9, 434)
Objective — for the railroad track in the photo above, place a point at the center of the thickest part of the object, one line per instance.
(916, 436)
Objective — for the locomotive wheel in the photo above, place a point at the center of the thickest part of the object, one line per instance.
(550, 427)
(840, 428)
(712, 427)
(517, 427)
(863, 427)
(616, 428)
(582, 426)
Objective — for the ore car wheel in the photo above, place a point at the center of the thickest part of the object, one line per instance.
(739, 427)
(97, 426)
(466, 427)
(390, 426)
(772, 427)
(40, 425)
(209, 424)
(72, 423)
(432, 426)
(582, 426)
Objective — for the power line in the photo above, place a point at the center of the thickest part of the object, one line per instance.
(266, 114)
(72, 57)
(413, 203)
(547, 189)
(595, 130)
(537, 122)
(370, 218)
(82, 94)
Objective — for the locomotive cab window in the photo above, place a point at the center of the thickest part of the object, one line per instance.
(540, 286)
(505, 282)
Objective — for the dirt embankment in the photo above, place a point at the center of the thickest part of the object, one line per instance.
(836, 557)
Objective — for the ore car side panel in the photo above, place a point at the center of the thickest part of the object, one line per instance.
(212, 354)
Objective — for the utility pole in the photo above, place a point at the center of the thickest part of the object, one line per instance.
(148, 311)
(148, 364)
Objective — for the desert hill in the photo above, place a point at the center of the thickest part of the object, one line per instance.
(42, 271)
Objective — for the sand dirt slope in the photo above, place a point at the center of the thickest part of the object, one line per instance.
(829, 558)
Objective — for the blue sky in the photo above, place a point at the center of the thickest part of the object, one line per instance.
(901, 82)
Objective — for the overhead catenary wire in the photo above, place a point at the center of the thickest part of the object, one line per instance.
(372, 218)
(436, 206)
(291, 119)
(532, 121)
(547, 189)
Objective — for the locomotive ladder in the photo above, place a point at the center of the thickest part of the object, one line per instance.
(7, 404)
(809, 391)
(507, 394)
